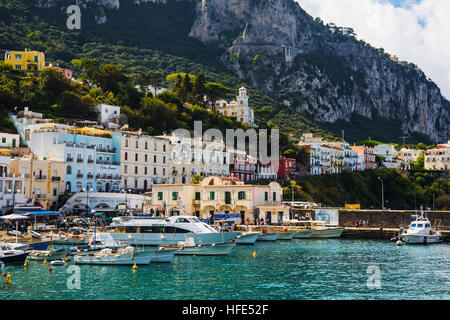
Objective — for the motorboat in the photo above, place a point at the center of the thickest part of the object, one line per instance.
(303, 234)
(247, 237)
(9, 255)
(189, 247)
(420, 231)
(285, 234)
(126, 256)
(157, 231)
(265, 235)
(323, 231)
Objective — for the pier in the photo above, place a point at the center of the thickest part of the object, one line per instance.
(379, 233)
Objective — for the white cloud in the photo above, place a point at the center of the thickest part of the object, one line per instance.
(416, 32)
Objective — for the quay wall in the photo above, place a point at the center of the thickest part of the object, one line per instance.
(391, 218)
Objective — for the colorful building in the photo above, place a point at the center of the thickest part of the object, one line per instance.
(67, 72)
(28, 61)
(438, 158)
(43, 180)
(238, 108)
(366, 157)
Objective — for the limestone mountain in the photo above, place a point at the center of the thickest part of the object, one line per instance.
(307, 72)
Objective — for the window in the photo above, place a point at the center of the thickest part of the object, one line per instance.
(146, 145)
(420, 225)
(125, 169)
(197, 196)
(227, 197)
(126, 143)
(164, 159)
(160, 195)
(274, 196)
(18, 56)
(154, 171)
(164, 148)
(18, 67)
(136, 157)
(145, 170)
(174, 195)
(137, 144)
(241, 195)
(126, 155)
(266, 196)
(135, 170)
(3, 140)
(69, 170)
(54, 192)
(413, 225)
(145, 158)
(154, 159)
(211, 195)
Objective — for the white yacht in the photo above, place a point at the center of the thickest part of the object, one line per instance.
(144, 231)
(421, 232)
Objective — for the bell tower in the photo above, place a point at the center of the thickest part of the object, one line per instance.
(242, 98)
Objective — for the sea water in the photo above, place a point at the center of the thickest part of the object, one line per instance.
(297, 269)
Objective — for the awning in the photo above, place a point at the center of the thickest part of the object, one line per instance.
(228, 217)
(37, 212)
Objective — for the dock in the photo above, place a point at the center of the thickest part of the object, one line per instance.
(379, 233)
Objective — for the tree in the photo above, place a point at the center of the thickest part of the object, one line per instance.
(154, 78)
(110, 78)
(196, 179)
(199, 90)
(52, 83)
(214, 91)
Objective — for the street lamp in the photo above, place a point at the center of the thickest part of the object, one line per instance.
(382, 193)
(126, 196)
(87, 197)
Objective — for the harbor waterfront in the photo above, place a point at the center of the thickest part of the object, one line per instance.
(298, 269)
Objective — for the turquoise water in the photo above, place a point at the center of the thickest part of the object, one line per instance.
(298, 269)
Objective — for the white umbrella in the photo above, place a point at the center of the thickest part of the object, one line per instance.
(14, 217)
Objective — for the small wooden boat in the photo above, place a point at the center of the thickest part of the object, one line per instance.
(48, 255)
(125, 256)
(285, 234)
(189, 248)
(58, 262)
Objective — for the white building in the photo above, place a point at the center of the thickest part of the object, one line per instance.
(390, 154)
(26, 122)
(190, 157)
(238, 109)
(9, 140)
(409, 155)
(11, 186)
(108, 116)
(438, 158)
(144, 160)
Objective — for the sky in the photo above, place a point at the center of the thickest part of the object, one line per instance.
(416, 31)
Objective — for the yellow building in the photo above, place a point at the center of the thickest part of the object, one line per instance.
(43, 180)
(29, 61)
(220, 195)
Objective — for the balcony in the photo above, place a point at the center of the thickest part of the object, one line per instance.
(79, 160)
(90, 161)
(56, 179)
(79, 175)
(41, 178)
(69, 159)
(106, 150)
(90, 176)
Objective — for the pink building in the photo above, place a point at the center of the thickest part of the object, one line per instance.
(66, 72)
(366, 159)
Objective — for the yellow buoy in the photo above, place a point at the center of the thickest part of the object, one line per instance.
(254, 254)
(45, 261)
(8, 280)
(134, 267)
(66, 259)
(25, 264)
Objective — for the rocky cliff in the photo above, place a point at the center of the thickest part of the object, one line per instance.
(314, 69)
(318, 69)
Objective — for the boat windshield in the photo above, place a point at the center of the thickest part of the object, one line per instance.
(194, 219)
(182, 220)
(420, 225)
(413, 225)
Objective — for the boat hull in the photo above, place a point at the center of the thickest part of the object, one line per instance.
(161, 239)
(39, 245)
(268, 237)
(328, 233)
(139, 258)
(247, 239)
(14, 258)
(71, 241)
(421, 239)
(303, 234)
(285, 235)
(220, 249)
(49, 256)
